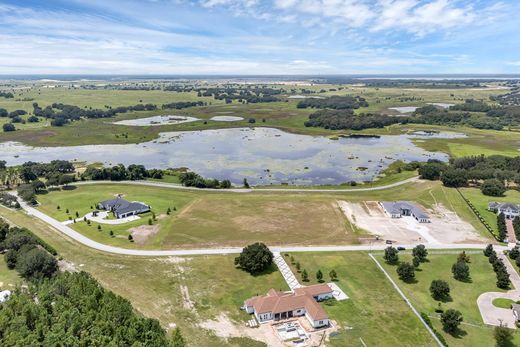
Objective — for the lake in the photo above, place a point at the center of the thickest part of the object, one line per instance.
(262, 155)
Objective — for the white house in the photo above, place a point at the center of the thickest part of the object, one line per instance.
(302, 302)
(398, 209)
(510, 210)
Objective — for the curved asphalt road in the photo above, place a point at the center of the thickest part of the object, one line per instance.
(244, 190)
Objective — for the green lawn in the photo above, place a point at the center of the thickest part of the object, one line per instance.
(503, 303)
(374, 312)
(463, 295)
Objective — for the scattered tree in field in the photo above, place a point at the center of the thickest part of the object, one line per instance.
(292, 260)
(391, 256)
(130, 238)
(406, 272)
(451, 320)
(111, 233)
(246, 184)
(503, 335)
(77, 214)
(319, 276)
(88, 221)
(150, 221)
(99, 227)
(255, 258)
(416, 262)
(333, 275)
(305, 276)
(463, 257)
(440, 289)
(168, 211)
(460, 271)
(58, 207)
(7, 127)
(420, 252)
(298, 266)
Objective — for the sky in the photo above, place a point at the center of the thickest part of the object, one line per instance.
(255, 37)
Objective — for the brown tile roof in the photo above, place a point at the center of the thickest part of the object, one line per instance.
(278, 302)
(314, 290)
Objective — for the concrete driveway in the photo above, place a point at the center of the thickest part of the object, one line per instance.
(493, 315)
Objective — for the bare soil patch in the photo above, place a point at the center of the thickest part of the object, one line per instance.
(143, 232)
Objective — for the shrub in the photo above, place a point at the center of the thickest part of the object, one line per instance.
(255, 258)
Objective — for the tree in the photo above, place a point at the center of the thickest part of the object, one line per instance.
(502, 227)
(305, 276)
(514, 253)
(460, 271)
(488, 250)
(255, 258)
(7, 127)
(431, 170)
(391, 256)
(503, 280)
(36, 263)
(99, 227)
(416, 262)
(298, 266)
(493, 187)
(439, 289)
(111, 233)
(406, 271)
(454, 178)
(246, 184)
(503, 335)
(420, 252)
(333, 275)
(130, 238)
(319, 276)
(168, 211)
(451, 320)
(463, 257)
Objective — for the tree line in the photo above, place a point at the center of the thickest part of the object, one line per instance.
(334, 102)
(493, 174)
(192, 179)
(7, 95)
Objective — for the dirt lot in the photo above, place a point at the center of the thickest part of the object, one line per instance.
(445, 226)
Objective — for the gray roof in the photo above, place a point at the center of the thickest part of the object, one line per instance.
(395, 207)
(504, 206)
(120, 205)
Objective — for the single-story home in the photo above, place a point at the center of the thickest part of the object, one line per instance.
(510, 210)
(398, 209)
(303, 301)
(123, 208)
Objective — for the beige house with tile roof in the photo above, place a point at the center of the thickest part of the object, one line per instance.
(303, 301)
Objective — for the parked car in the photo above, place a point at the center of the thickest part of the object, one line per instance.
(388, 242)
(401, 248)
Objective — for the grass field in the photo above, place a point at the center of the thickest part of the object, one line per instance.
(463, 295)
(209, 219)
(8, 278)
(374, 311)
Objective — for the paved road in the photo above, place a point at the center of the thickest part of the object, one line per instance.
(256, 190)
(66, 230)
(493, 315)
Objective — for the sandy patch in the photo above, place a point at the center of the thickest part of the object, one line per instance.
(445, 226)
(66, 266)
(186, 301)
(222, 326)
(143, 232)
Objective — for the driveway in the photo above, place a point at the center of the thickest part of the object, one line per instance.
(493, 315)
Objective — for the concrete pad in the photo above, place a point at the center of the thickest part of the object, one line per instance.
(337, 292)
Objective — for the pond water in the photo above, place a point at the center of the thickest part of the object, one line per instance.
(262, 155)
(226, 118)
(441, 104)
(157, 120)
